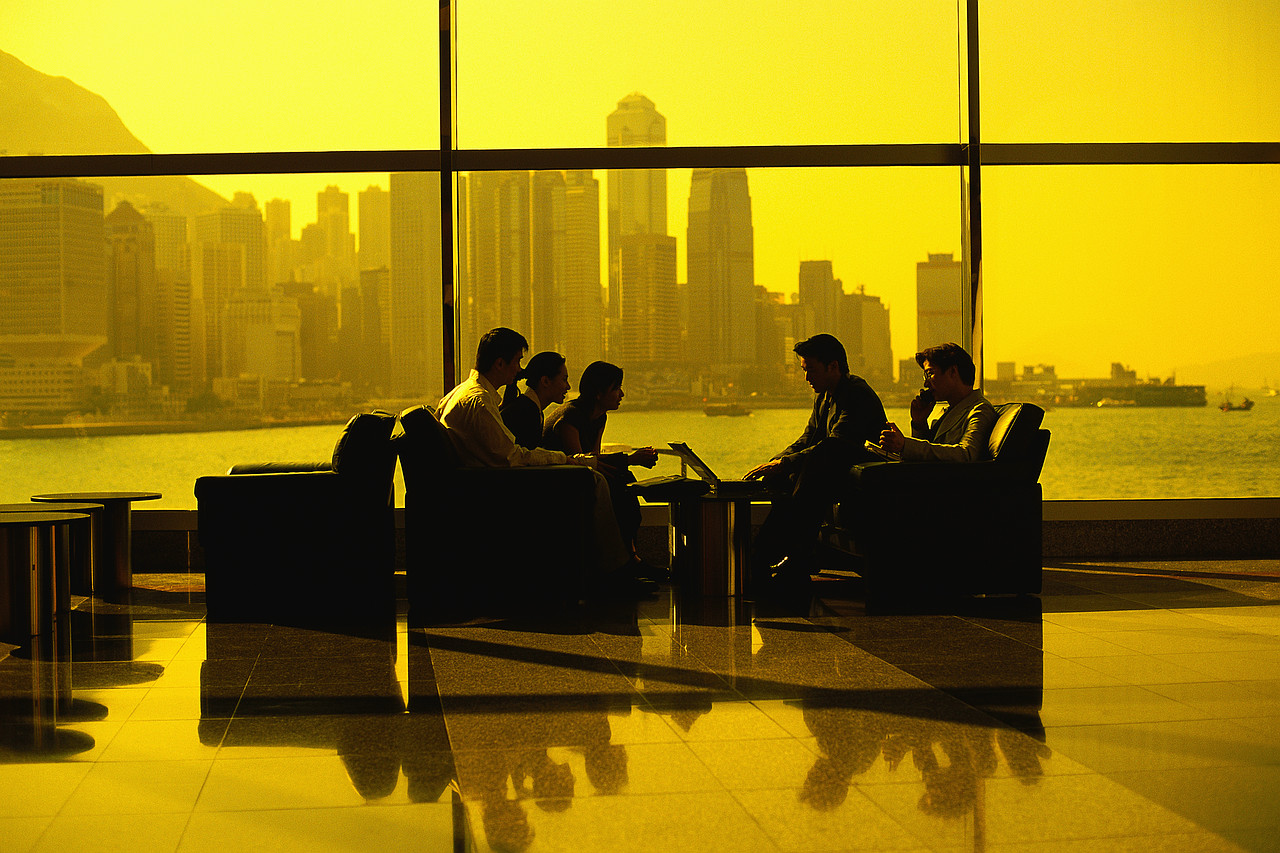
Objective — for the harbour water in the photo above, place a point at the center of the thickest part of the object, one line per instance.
(1122, 452)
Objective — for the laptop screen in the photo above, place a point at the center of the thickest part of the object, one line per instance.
(694, 461)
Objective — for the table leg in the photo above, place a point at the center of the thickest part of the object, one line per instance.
(113, 572)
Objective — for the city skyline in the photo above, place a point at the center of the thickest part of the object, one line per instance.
(1155, 265)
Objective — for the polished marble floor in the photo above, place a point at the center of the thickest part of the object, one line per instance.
(1131, 707)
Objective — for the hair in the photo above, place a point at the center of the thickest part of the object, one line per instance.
(545, 363)
(598, 378)
(948, 355)
(499, 343)
(825, 348)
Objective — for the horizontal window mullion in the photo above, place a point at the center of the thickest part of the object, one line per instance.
(1128, 153)
(696, 157)
(237, 163)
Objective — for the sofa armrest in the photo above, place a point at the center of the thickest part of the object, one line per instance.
(279, 467)
(932, 475)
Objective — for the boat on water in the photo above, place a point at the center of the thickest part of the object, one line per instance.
(1243, 406)
(726, 410)
(1112, 402)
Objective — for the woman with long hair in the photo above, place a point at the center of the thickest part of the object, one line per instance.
(546, 381)
(578, 427)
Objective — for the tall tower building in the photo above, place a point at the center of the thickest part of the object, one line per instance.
(820, 293)
(281, 247)
(637, 197)
(174, 332)
(218, 272)
(939, 301)
(53, 278)
(498, 212)
(336, 267)
(546, 329)
(416, 290)
(131, 285)
(241, 225)
(721, 271)
(582, 307)
(649, 310)
(374, 228)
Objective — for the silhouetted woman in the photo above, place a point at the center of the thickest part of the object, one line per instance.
(578, 427)
(546, 381)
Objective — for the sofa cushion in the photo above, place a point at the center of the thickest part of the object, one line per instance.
(364, 448)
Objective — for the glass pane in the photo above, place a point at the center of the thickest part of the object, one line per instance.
(1108, 291)
(702, 302)
(719, 73)
(229, 76)
(1131, 71)
(206, 319)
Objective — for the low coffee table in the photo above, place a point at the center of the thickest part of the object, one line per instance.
(113, 563)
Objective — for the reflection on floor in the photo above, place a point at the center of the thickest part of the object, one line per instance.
(1131, 707)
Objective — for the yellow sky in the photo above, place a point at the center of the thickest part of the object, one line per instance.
(1157, 267)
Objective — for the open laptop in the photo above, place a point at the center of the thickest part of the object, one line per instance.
(718, 486)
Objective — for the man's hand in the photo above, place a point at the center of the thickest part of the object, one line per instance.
(646, 456)
(921, 408)
(891, 438)
(761, 471)
(586, 460)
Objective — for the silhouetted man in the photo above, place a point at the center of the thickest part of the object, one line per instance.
(961, 433)
(808, 474)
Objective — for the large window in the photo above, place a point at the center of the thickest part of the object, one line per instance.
(682, 188)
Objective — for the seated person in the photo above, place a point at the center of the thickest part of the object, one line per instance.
(960, 435)
(578, 427)
(808, 474)
(471, 416)
(546, 381)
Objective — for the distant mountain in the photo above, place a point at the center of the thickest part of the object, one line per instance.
(1246, 372)
(53, 115)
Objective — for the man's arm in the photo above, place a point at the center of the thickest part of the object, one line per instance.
(972, 446)
(488, 440)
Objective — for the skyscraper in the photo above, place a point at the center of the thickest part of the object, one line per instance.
(53, 285)
(649, 310)
(499, 230)
(546, 328)
(582, 307)
(721, 271)
(336, 266)
(174, 332)
(240, 224)
(280, 242)
(417, 323)
(820, 293)
(375, 228)
(939, 301)
(637, 197)
(131, 285)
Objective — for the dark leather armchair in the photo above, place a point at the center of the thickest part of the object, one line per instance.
(930, 528)
(309, 542)
(488, 539)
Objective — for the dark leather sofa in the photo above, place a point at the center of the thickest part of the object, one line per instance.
(488, 540)
(304, 543)
(927, 529)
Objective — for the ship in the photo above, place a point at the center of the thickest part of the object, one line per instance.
(1042, 385)
(726, 410)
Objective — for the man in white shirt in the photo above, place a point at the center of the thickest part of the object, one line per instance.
(471, 416)
(961, 434)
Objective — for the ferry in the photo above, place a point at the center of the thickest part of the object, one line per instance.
(726, 409)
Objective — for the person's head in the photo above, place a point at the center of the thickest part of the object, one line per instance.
(547, 376)
(823, 360)
(498, 355)
(601, 385)
(948, 371)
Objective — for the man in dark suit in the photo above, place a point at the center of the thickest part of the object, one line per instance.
(807, 475)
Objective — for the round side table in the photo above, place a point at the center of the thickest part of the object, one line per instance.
(33, 574)
(83, 539)
(113, 563)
